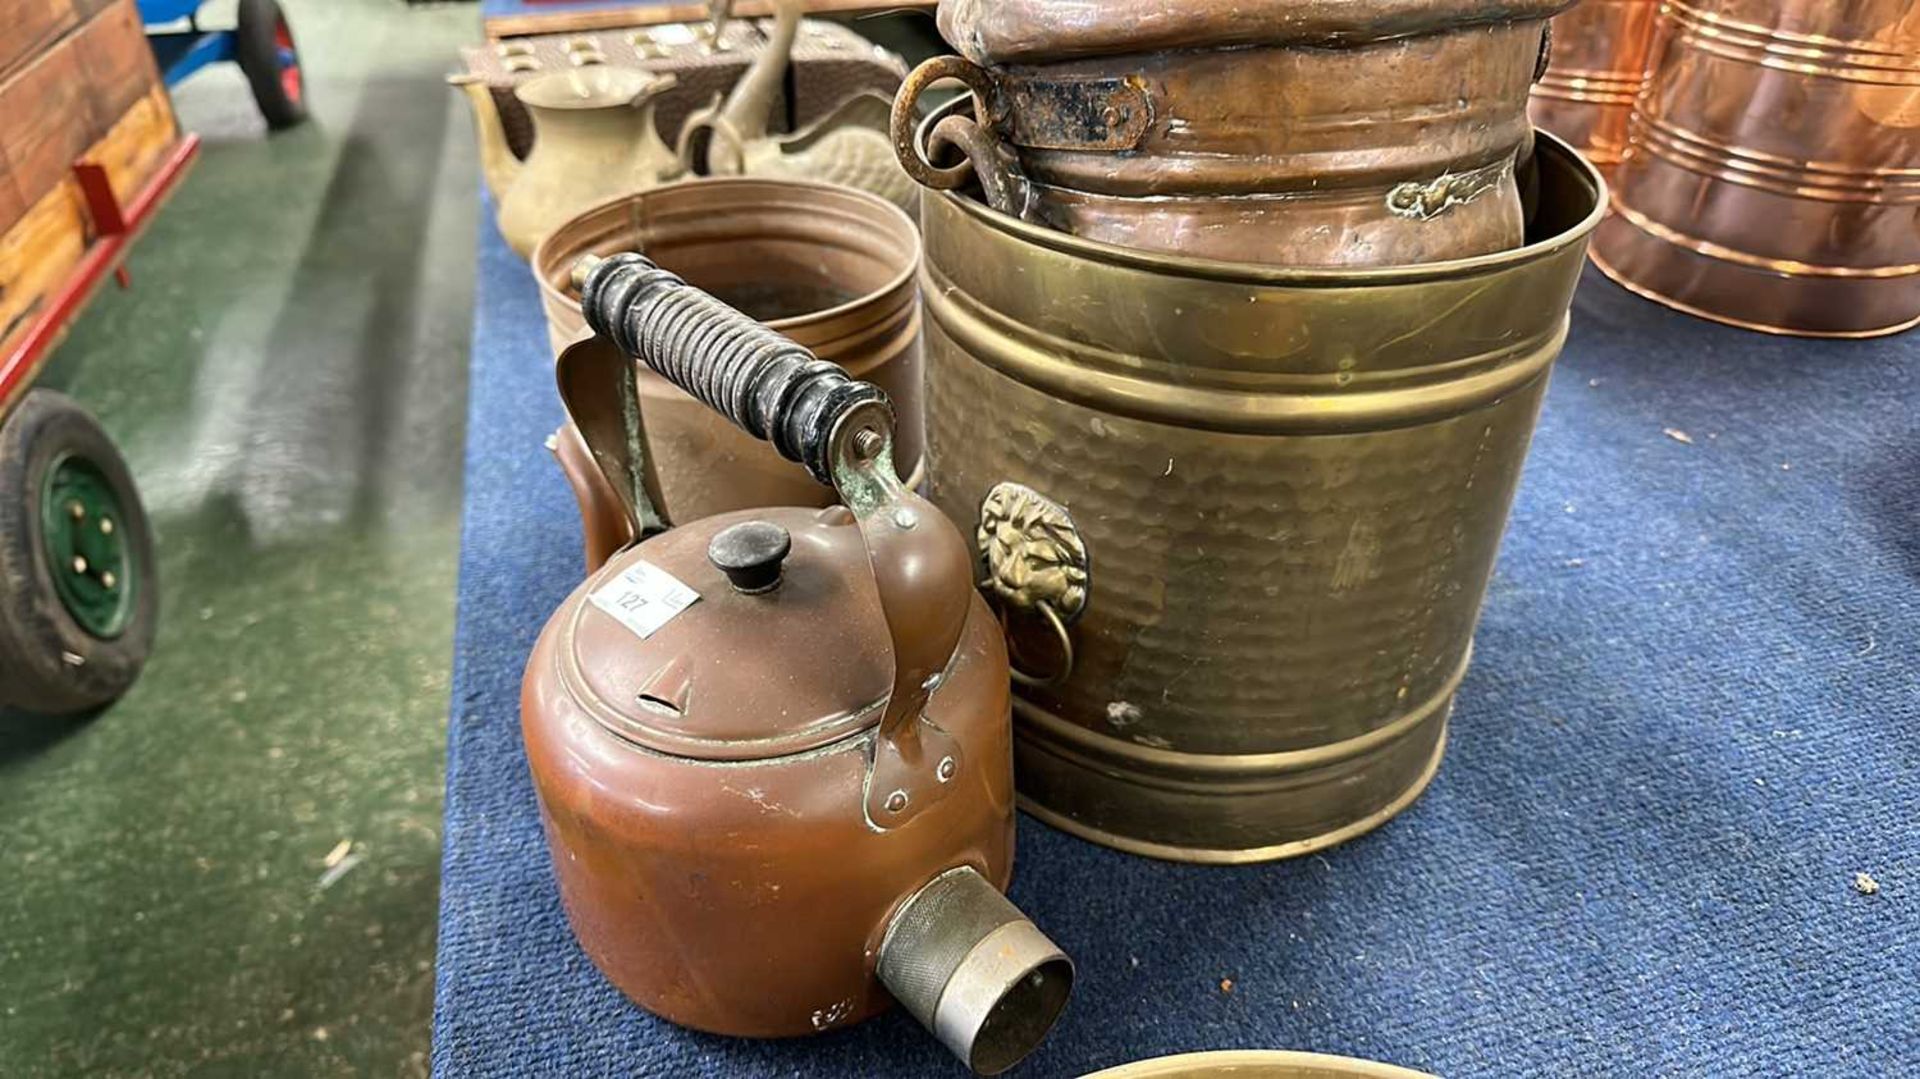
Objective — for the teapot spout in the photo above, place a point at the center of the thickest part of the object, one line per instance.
(497, 163)
(975, 971)
(749, 107)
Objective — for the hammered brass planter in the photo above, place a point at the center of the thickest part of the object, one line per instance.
(1238, 519)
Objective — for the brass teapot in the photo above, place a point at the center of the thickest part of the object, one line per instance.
(772, 747)
(848, 146)
(594, 139)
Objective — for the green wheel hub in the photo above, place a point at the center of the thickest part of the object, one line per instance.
(83, 528)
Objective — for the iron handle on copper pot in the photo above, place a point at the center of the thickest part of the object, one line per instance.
(842, 431)
(983, 155)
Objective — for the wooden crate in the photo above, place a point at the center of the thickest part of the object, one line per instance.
(29, 28)
(94, 95)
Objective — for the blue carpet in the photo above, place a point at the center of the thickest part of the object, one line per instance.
(1694, 716)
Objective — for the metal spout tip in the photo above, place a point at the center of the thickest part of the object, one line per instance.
(975, 971)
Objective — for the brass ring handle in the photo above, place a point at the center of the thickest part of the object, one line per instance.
(903, 125)
(1034, 681)
(1035, 561)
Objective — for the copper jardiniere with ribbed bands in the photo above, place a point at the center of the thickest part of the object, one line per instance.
(1285, 132)
(1773, 175)
(1238, 519)
(1599, 63)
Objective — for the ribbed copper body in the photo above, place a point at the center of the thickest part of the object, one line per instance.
(1599, 63)
(1290, 485)
(1773, 175)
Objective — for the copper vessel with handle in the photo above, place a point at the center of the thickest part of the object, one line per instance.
(1599, 62)
(829, 267)
(1290, 132)
(771, 747)
(1772, 178)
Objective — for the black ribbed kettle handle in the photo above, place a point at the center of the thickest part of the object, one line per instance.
(764, 382)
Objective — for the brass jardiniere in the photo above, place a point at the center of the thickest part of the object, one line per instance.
(1238, 519)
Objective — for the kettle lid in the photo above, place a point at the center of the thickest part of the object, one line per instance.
(738, 637)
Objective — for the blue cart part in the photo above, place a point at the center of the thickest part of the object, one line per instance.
(262, 44)
(158, 12)
(180, 53)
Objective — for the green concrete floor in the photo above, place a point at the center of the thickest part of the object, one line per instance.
(288, 380)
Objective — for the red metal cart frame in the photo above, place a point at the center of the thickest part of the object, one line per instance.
(115, 224)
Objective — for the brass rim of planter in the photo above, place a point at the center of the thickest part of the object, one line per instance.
(1168, 852)
(1256, 1064)
(1248, 273)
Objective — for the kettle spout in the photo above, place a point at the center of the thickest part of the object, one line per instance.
(975, 971)
(497, 163)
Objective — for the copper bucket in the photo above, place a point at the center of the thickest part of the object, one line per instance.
(1286, 132)
(830, 267)
(1238, 519)
(1773, 175)
(1599, 63)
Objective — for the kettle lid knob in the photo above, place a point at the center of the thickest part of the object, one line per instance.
(750, 554)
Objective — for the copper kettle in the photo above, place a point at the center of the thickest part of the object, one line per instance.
(772, 748)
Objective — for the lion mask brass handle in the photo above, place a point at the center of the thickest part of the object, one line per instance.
(1036, 564)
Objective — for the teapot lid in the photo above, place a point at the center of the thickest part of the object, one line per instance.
(596, 86)
(1044, 31)
(738, 637)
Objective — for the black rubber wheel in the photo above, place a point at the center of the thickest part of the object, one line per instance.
(265, 50)
(74, 645)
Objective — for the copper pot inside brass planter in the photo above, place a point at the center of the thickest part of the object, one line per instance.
(1772, 179)
(1239, 519)
(771, 747)
(1599, 63)
(830, 267)
(1287, 132)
